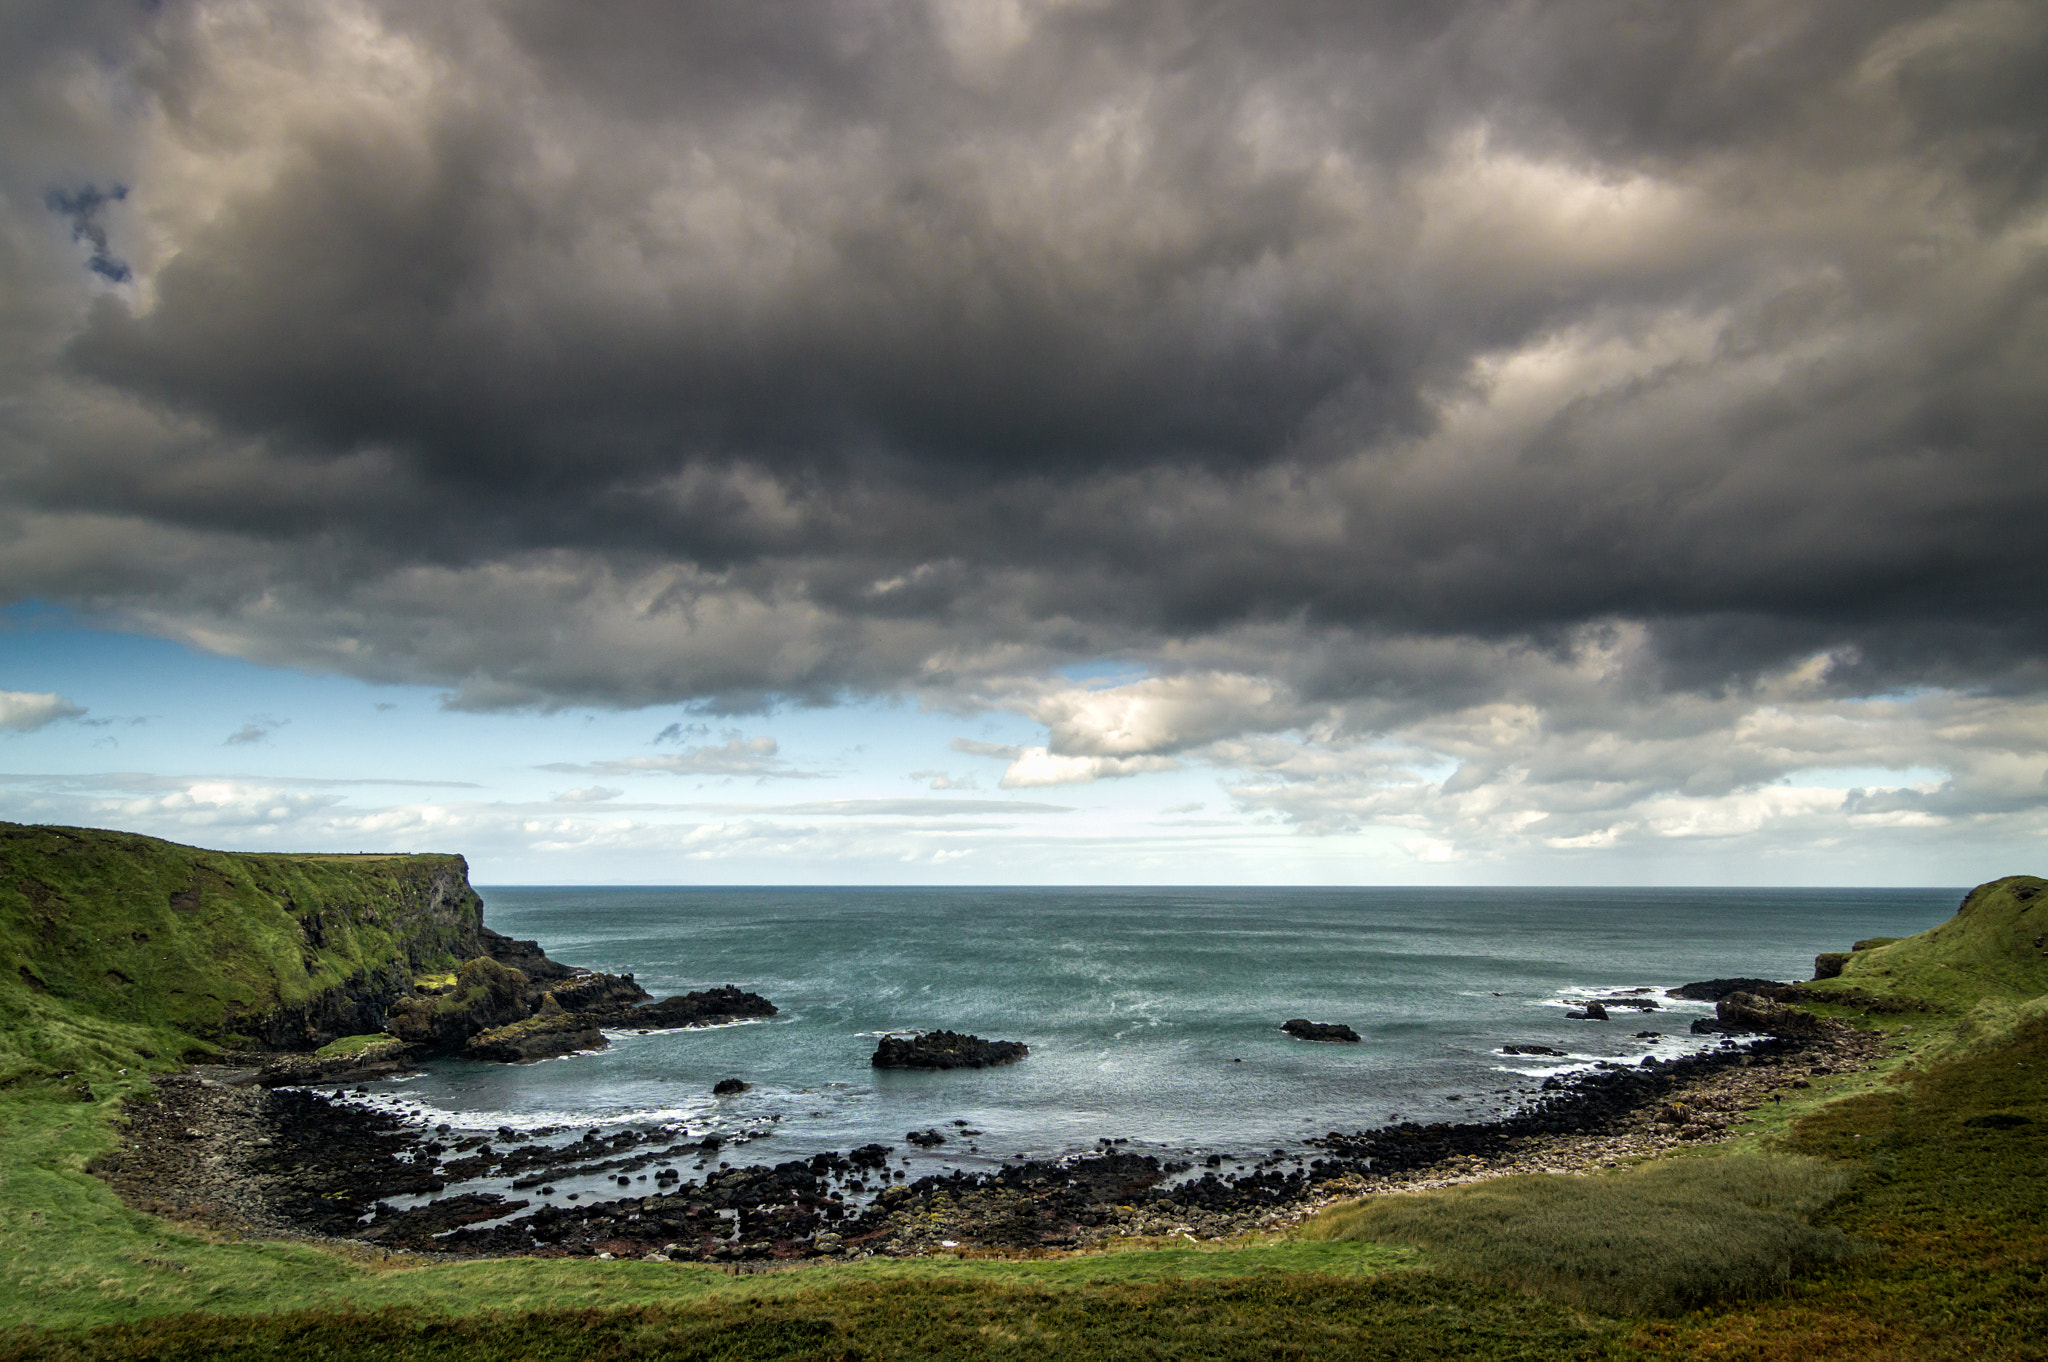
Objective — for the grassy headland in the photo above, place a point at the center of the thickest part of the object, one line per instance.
(1892, 1213)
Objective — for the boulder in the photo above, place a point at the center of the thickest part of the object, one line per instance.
(1749, 1014)
(1531, 1050)
(945, 1050)
(726, 1087)
(1303, 1029)
(1590, 1012)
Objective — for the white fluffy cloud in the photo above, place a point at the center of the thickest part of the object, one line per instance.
(1584, 754)
(1036, 766)
(1161, 714)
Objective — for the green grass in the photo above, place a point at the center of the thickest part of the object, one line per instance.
(353, 1045)
(1657, 1240)
(1950, 1180)
(1405, 1316)
(1984, 953)
(107, 927)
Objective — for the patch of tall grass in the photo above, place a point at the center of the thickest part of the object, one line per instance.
(1950, 1175)
(1659, 1240)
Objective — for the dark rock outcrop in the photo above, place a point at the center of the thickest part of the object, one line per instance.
(1590, 1012)
(1531, 1050)
(487, 994)
(707, 1007)
(726, 1087)
(525, 956)
(1714, 990)
(379, 1059)
(549, 1032)
(494, 1014)
(1747, 1014)
(357, 1007)
(1828, 964)
(1301, 1028)
(945, 1050)
(596, 994)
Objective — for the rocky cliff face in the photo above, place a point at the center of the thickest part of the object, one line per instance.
(245, 949)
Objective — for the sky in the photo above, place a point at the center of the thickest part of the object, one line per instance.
(1032, 441)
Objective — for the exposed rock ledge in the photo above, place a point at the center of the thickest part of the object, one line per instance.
(1301, 1028)
(554, 1030)
(945, 1050)
(1748, 1014)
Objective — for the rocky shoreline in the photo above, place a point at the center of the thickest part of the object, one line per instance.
(219, 1149)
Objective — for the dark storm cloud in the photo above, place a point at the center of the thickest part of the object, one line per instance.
(735, 351)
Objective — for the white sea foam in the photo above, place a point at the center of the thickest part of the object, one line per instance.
(626, 1033)
(697, 1115)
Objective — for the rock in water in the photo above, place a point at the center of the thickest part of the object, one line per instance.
(945, 1050)
(1303, 1029)
(709, 1007)
(1591, 1012)
(1531, 1050)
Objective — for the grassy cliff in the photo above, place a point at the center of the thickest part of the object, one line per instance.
(1995, 948)
(117, 948)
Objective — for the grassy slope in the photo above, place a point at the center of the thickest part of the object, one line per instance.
(117, 948)
(1951, 1206)
(1957, 1207)
(122, 954)
(1950, 1159)
(1986, 952)
(1945, 1152)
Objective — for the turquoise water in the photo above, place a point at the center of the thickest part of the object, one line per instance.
(1152, 1014)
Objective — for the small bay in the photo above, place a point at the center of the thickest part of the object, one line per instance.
(1152, 1014)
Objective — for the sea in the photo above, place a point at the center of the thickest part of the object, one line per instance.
(1153, 1015)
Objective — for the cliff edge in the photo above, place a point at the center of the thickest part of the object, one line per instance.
(245, 950)
(1995, 947)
